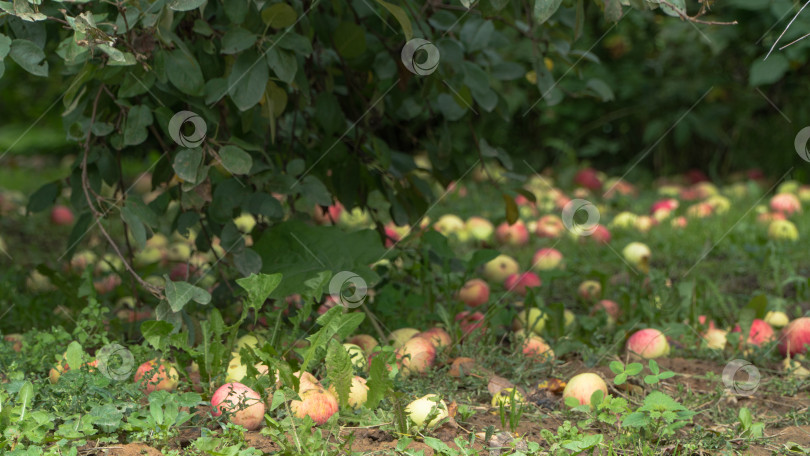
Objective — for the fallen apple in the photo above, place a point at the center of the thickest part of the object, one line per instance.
(427, 407)
(547, 259)
(582, 387)
(648, 343)
(461, 366)
(480, 228)
(549, 226)
(609, 307)
(16, 341)
(715, 338)
(776, 318)
(515, 235)
(357, 356)
(242, 405)
(474, 293)
(449, 225)
(160, 378)
(504, 397)
(532, 319)
(535, 347)
(398, 337)
(638, 255)
(520, 283)
(760, 332)
(786, 203)
(364, 341)
(416, 356)
(499, 268)
(794, 336)
(315, 403)
(589, 290)
(782, 230)
(358, 393)
(437, 336)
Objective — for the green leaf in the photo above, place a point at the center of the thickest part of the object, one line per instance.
(350, 40)
(43, 198)
(5, 46)
(339, 370)
(333, 323)
(571, 402)
(650, 379)
(135, 227)
(768, 71)
(620, 378)
(74, 355)
(653, 365)
(29, 56)
(633, 368)
(283, 63)
(379, 383)
(185, 5)
(156, 333)
(247, 81)
(187, 162)
(635, 419)
(512, 212)
(616, 367)
(247, 262)
(544, 9)
(613, 10)
(759, 304)
(279, 15)
(596, 397)
(259, 287)
(235, 159)
(236, 40)
(185, 73)
(25, 397)
(135, 128)
(679, 8)
(180, 293)
(401, 16)
(666, 375)
(745, 418)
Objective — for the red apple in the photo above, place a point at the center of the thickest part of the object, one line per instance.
(600, 234)
(648, 343)
(317, 404)
(794, 336)
(588, 178)
(760, 333)
(582, 387)
(416, 356)
(364, 341)
(470, 322)
(520, 282)
(610, 308)
(437, 336)
(244, 406)
(515, 235)
(61, 215)
(160, 378)
(549, 226)
(536, 348)
(786, 203)
(474, 293)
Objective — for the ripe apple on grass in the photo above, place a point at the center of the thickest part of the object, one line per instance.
(549, 226)
(582, 387)
(520, 283)
(505, 397)
(416, 356)
(16, 341)
(535, 347)
(427, 411)
(480, 228)
(609, 307)
(316, 403)
(242, 405)
(358, 393)
(786, 203)
(776, 318)
(154, 376)
(589, 290)
(364, 341)
(715, 338)
(547, 259)
(56, 372)
(398, 337)
(515, 235)
(470, 323)
(437, 336)
(500, 267)
(760, 332)
(648, 343)
(783, 230)
(474, 293)
(638, 255)
(794, 337)
(532, 319)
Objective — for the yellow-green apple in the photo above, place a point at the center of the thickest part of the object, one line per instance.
(719, 203)
(249, 341)
(398, 337)
(783, 230)
(416, 356)
(156, 375)
(474, 293)
(242, 405)
(536, 348)
(480, 228)
(786, 203)
(715, 338)
(245, 222)
(430, 405)
(532, 319)
(449, 224)
(644, 223)
(581, 387)
(776, 318)
(515, 235)
(520, 283)
(179, 251)
(589, 290)
(356, 218)
(356, 355)
(500, 267)
(364, 341)
(794, 336)
(147, 256)
(358, 392)
(648, 343)
(624, 220)
(505, 397)
(547, 259)
(38, 283)
(638, 255)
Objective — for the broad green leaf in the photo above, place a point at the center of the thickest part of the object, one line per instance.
(156, 333)
(544, 9)
(236, 40)
(677, 11)
(279, 15)
(259, 287)
(633, 368)
(766, 71)
(185, 73)
(43, 198)
(5, 46)
(180, 293)
(185, 5)
(350, 40)
(135, 226)
(620, 378)
(247, 81)
(512, 212)
(401, 16)
(616, 367)
(187, 162)
(247, 262)
(25, 397)
(23, 10)
(135, 128)
(235, 160)
(283, 63)
(29, 56)
(74, 355)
